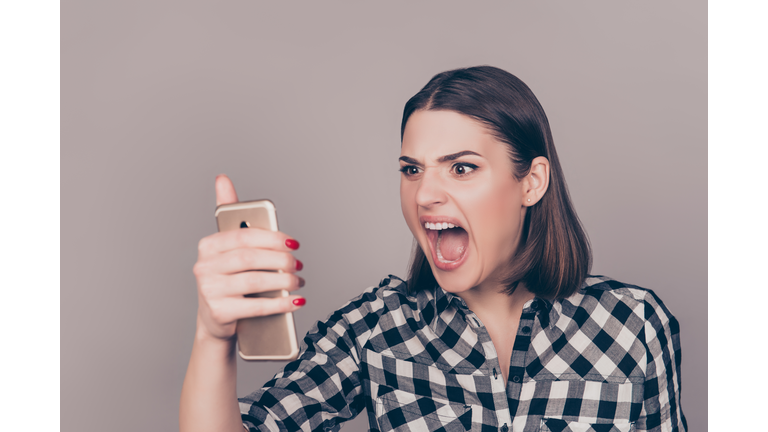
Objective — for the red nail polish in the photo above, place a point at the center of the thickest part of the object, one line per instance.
(299, 301)
(299, 265)
(301, 282)
(292, 244)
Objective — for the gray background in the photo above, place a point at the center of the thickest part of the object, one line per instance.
(300, 102)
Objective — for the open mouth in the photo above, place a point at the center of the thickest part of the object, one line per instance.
(449, 243)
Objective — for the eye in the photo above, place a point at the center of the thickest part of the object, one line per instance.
(463, 168)
(410, 170)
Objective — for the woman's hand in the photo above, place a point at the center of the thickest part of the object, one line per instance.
(231, 264)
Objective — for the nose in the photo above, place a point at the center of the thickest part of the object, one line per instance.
(430, 191)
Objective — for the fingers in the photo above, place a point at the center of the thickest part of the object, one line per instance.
(225, 190)
(240, 260)
(246, 238)
(233, 309)
(252, 307)
(251, 282)
(227, 311)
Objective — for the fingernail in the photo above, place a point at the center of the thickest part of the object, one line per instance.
(299, 265)
(301, 282)
(299, 301)
(292, 244)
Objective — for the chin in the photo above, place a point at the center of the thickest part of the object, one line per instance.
(455, 281)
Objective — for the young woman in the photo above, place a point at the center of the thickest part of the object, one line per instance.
(498, 326)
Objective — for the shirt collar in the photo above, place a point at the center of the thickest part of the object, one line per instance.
(443, 299)
(433, 303)
(547, 311)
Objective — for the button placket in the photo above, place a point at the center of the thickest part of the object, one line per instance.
(494, 373)
(519, 353)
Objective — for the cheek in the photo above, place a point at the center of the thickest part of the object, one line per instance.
(496, 217)
(408, 205)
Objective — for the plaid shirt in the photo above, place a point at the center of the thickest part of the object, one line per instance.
(605, 359)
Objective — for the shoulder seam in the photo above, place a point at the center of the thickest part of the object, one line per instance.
(617, 288)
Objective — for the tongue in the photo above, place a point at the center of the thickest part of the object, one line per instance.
(452, 243)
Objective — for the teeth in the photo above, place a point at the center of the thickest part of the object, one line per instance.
(439, 226)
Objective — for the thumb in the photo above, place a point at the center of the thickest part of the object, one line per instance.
(225, 190)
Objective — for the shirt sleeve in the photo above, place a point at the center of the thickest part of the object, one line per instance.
(661, 410)
(318, 391)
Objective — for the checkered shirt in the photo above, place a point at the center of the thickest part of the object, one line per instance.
(605, 359)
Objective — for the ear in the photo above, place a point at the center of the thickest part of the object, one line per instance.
(535, 184)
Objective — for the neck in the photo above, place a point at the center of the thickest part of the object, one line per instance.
(493, 302)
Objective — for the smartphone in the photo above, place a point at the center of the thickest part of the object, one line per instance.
(270, 337)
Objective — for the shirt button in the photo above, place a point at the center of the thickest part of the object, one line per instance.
(516, 379)
(535, 305)
(526, 330)
(504, 428)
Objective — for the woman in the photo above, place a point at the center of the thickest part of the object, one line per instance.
(498, 326)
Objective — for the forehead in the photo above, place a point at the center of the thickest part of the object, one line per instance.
(431, 134)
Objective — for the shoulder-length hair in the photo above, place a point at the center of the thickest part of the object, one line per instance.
(554, 255)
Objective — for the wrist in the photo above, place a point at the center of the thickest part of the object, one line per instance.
(204, 336)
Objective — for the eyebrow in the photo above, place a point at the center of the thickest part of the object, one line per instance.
(442, 159)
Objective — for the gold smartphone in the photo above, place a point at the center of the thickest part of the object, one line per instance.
(270, 337)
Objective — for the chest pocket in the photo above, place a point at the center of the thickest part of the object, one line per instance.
(558, 425)
(411, 396)
(397, 410)
(584, 402)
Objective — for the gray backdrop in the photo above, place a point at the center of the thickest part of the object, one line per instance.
(300, 102)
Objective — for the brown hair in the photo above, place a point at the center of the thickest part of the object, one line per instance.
(554, 256)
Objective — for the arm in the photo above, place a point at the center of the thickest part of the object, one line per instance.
(661, 406)
(209, 397)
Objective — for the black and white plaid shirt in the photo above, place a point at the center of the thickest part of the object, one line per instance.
(605, 359)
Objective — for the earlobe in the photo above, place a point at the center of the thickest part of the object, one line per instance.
(537, 181)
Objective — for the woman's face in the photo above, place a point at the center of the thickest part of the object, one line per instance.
(455, 173)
